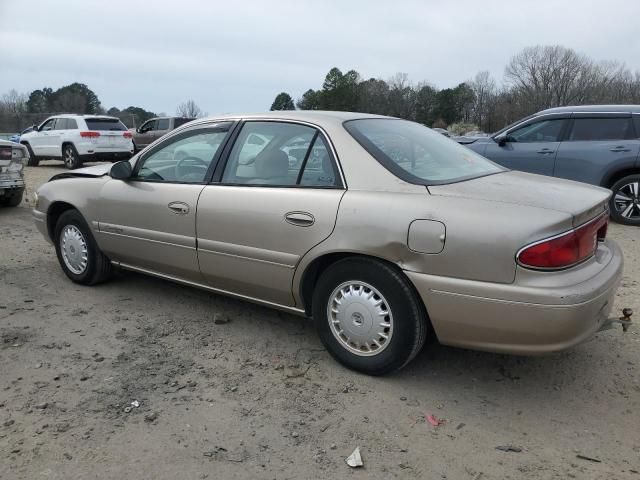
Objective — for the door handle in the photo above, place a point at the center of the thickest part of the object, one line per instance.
(545, 150)
(619, 149)
(299, 219)
(179, 208)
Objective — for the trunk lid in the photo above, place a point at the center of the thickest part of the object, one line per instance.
(580, 200)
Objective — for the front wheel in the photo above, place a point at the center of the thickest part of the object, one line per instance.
(70, 157)
(368, 316)
(77, 251)
(625, 201)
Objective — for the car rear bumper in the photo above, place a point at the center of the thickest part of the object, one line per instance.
(10, 184)
(106, 156)
(527, 318)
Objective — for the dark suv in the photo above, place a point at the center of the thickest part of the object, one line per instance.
(597, 144)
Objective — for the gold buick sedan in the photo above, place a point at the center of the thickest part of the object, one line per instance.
(382, 230)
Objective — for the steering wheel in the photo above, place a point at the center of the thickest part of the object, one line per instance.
(196, 162)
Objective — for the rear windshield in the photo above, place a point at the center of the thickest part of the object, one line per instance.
(105, 124)
(417, 154)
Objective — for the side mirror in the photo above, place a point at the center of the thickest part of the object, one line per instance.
(501, 139)
(121, 170)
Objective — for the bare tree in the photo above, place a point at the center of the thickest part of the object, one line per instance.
(485, 92)
(13, 107)
(189, 109)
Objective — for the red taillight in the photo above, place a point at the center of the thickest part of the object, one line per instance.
(567, 249)
(127, 135)
(89, 134)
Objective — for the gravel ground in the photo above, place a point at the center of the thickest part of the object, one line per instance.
(258, 397)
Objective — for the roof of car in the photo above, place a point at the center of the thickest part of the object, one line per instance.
(313, 116)
(594, 108)
(76, 115)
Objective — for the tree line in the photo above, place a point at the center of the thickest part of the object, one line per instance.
(19, 110)
(534, 79)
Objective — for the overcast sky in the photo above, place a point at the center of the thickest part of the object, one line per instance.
(235, 56)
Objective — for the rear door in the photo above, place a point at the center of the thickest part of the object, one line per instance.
(597, 145)
(149, 220)
(530, 147)
(267, 209)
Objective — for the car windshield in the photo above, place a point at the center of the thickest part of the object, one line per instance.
(417, 154)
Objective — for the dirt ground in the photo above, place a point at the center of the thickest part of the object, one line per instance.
(259, 397)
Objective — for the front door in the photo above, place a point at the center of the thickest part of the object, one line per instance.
(40, 142)
(146, 134)
(530, 148)
(149, 220)
(268, 209)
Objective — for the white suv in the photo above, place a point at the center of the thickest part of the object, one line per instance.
(78, 138)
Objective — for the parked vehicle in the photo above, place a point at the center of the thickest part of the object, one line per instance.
(387, 234)
(16, 138)
(598, 144)
(153, 129)
(75, 139)
(12, 159)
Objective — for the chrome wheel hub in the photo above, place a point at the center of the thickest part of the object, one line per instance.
(360, 318)
(68, 157)
(73, 247)
(627, 200)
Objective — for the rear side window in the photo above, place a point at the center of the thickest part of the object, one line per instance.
(417, 154)
(585, 129)
(105, 124)
(636, 124)
(280, 154)
(71, 124)
(180, 121)
(163, 124)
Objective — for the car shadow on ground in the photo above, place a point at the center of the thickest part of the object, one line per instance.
(454, 373)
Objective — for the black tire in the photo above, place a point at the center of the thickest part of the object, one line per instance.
(33, 160)
(409, 318)
(619, 208)
(98, 267)
(12, 200)
(70, 157)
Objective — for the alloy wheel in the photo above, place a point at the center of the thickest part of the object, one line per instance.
(627, 200)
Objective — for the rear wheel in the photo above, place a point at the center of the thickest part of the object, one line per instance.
(70, 156)
(33, 160)
(12, 200)
(368, 316)
(625, 201)
(77, 251)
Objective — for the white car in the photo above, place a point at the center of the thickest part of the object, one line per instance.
(75, 139)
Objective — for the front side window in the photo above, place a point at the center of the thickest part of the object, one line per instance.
(585, 129)
(280, 154)
(147, 127)
(542, 131)
(60, 124)
(185, 158)
(48, 125)
(417, 154)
